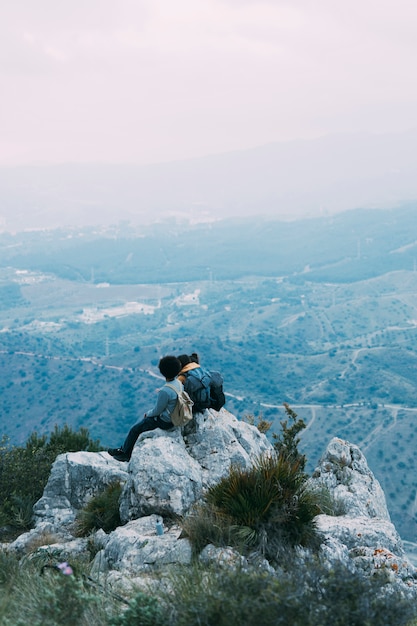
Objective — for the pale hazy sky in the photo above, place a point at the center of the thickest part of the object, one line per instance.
(154, 80)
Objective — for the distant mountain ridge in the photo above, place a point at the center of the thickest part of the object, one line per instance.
(350, 246)
(289, 179)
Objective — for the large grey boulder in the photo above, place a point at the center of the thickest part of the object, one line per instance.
(355, 532)
(168, 471)
(137, 547)
(220, 440)
(343, 469)
(162, 477)
(75, 478)
(362, 537)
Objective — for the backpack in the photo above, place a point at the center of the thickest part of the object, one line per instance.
(217, 397)
(197, 385)
(182, 413)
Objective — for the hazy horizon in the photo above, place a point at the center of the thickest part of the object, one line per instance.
(282, 180)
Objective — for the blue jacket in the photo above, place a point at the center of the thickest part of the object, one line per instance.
(166, 401)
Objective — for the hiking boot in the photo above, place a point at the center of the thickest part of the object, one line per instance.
(118, 454)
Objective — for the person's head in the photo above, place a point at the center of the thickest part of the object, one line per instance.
(169, 366)
(184, 359)
(194, 358)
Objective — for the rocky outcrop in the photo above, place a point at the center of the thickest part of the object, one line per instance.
(75, 478)
(361, 535)
(168, 472)
(344, 471)
(137, 547)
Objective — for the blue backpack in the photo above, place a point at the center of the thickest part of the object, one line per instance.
(197, 385)
(217, 397)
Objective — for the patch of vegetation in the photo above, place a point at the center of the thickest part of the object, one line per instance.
(31, 594)
(143, 610)
(301, 593)
(102, 511)
(286, 443)
(259, 421)
(24, 471)
(301, 596)
(262, 507)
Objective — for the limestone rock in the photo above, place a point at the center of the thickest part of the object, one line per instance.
(66, 551)
(220, 440)
(370, 559)
(230, 558)
(363, 538)
(162, 477)
(137, 547)
(43, 534)
(168, 471)
(75, 478)
(354, 532)
(344, 471)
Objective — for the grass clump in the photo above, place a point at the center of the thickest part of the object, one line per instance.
(261, 508)
(102, 511)
(32, 594)
(264, 507)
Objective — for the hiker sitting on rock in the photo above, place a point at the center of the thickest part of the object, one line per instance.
(204, 388)
(196, 382)
(160, 415)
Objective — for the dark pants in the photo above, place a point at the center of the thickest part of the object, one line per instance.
(148, 423)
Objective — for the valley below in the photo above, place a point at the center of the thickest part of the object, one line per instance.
(79, 345)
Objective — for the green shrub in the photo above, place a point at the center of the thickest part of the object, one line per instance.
(143, 610)
(25, 470)
(20, 510)
(102, 511)
(269, 500)
(305, 594)
(67, 440)
(259, 421)
(226, 597)
(287, 442)
(205, 525)
(262, 507)
(28, 596)
(9, 567)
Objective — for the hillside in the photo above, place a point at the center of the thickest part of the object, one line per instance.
(344, 248)
(298, 312)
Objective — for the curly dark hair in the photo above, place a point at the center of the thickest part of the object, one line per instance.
(169, 366)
